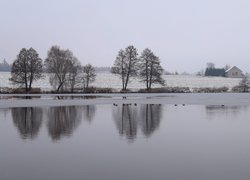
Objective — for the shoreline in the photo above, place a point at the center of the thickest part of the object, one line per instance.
(221, 99)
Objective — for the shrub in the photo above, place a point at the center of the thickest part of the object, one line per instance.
(23, 90)
(89, 90)
(210, 90)
(104, 90)
(166, 90)
(125, 91)
(239, 88)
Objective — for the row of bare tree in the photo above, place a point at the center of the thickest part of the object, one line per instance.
(67, 73)
(64, 69)
(147, 67)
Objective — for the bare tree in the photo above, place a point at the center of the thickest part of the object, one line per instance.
(59, 64)
(150, 69)
(227, 66)
(26, 69)
(125, 65)
(210, 65)
(119, 66)
(89, 75)
(74, 76)
(200, 73)
(244, 84)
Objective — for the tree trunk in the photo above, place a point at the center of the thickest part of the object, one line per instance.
(26, 83)
(123, 85)
(151, 74)
(126, 83)
(87, 82)
(60, 85)
(30, 83)
(147, 85)
(128, 73)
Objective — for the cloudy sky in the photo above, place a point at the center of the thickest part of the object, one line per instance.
(185, 34)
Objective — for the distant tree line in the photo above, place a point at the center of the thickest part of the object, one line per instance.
(4, 66)
(65, 71)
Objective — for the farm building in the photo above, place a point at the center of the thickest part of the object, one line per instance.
(215, 72)
(234, 72)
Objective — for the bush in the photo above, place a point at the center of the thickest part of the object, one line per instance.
(97, 90)
(89, 90)
(23, 91)
(6, 90)
(104, 90)
(166, 90)
(210, 90)
(125, 91)
(240, 88)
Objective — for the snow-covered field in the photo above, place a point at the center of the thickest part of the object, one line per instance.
(109, 80)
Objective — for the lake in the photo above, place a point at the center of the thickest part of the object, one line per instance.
(126, 141)
(109, 80)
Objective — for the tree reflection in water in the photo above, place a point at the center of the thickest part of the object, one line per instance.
(125, 119)
(214, 111)
(89, 112)
(128, 117)
(150, 115)
(62, 121)
(28, 121)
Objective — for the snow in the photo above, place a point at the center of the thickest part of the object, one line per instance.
(108, 80)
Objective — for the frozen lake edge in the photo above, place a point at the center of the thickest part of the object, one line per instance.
(222, 99)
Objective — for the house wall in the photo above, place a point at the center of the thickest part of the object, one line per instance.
(234, 73)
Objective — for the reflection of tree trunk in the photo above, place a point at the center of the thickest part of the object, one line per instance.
(63, 120)
(150, 118)
(25, 117)
(146, 116)
(125, 119)
(122, 127)
(27, 120)
(89, 112)
(130, 121)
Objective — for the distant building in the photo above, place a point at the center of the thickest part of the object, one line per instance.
(215, 72)
(234, 72)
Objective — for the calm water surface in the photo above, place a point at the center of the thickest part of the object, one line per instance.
(143, 141)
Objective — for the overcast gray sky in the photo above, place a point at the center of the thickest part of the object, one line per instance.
(185, 34)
